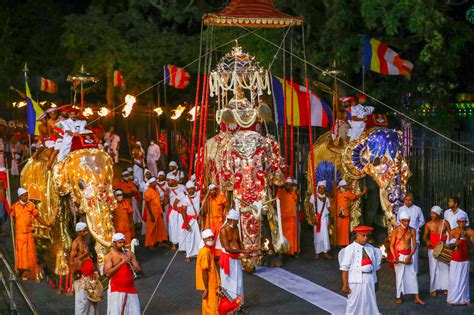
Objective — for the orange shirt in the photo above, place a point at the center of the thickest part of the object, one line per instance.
(217, 206)
(343, 199)
(287, 202)
(153, 197)
(126, 187)
(23, 215)
(205, 261)
(122, 215)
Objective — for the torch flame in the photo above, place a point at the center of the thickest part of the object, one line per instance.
(129, 100)
(193, 112)
(158, 111)
(178, 112)
(87, 112)
(103, 111)
(19, 104)
(384, 251)
(265, 244)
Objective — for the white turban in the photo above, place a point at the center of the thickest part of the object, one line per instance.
(125, 173)
(288, 180)
(190, 184)
(193, 177)
(118, 237)
(207, 233)
(130, 170)
(80, 226)
(138, 143)
(173, 163)
(170, 176)
(295, 182)
(2, 169)
(151, 180)
(437, 210)
(404, 215)
(342, 183)
(161, 173)
(212, 186)
(322, 183)
(233, 215)
(49, 144)
(461, 216)
(21, 191)
(118, 192)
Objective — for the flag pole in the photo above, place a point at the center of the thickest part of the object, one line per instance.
(25, 71)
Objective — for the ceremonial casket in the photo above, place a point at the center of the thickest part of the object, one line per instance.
(84, 141)
(376, 120)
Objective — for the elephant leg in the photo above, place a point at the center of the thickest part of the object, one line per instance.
(269, 258)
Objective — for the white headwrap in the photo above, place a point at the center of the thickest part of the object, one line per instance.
(437, 210)
(151, 180)
(80, 226)
(130, 170)
(233, 215)
(322, 183)
(173, 163)
(288, 180)
(170, 176)
(118, 192)
(118, 237)
(207, 233)
(125, 173)
(161, 173)
(211, 187)
(342, 183)
(404, 215)
(138, 143)
(461, 216)
(190, 184)
(21, 191)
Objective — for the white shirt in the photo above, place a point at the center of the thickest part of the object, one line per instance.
(323, 209)
(451, 217)
(76, 126)
(350, 259)
(176, 193)
(417, 220)
(153, 153)
(162, 190)
(191, 204)
(361, 111)
(138, 174)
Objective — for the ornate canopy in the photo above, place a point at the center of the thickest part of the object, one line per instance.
(251, 13)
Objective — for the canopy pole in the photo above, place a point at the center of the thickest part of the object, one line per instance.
(292, 134)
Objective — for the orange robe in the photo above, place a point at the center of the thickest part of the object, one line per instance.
(24, 242)
(289, 218)
(122, 219)
(126, 188)
(155, 231)
(216, 213)
(343, 203)
(205, 261)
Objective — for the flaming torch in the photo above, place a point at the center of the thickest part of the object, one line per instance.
(192, 112)
(178, 112)
(103, 111)
(129, 100)
(87, 112)
(158, 111)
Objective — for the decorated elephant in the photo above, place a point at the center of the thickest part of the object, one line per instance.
(376, 153)
(243, 162)
(77, 187)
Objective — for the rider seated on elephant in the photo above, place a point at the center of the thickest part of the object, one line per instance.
(338, 136)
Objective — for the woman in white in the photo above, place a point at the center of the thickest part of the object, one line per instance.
(321, 229)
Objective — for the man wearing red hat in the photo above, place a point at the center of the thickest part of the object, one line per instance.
(71, 127)
(359, 114)
(359, 263)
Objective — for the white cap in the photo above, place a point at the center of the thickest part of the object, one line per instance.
(437, 210)
(207, 233)
(130, 170)
(124, 173)
(342, 183)
(233, 215)
(21, 191)
(212, 186)
(161, 173)
(151, 180)
(80, 226)
(190, 184)
(118, 192)
(322, 183)
(404, 215)
(461, 216)
(170, 176)
(173, 163)
(118, 237)
(138, 143)
(2, 169)
(288, 180)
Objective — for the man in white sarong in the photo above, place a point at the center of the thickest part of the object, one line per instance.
(458, 289)
(175, 220)
(152, 156)
(71, 127)
(321, 229)
(435, 232)
(359, 115)
(403, 245)
(162, 187)
(190, 206)
(230, 264)
(417, 220)
(122, 295)
(451, 213)
(359, 263)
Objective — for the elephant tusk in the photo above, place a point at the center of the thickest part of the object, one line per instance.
(95, 235)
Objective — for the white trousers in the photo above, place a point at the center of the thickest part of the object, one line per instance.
(458, 289)
(233, 283)
(405, 276)
(362, 299)
(82, 305)
(119, 303)
(192, 239)
(321, 239)
(174, 226)
(439, 273)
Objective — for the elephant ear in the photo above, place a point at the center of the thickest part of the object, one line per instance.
(354, 158)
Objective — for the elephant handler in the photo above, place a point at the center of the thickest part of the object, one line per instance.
(122, 297)
(359, 263)
(23, 213)
(155, 226)
(123, 216)
(403, 245)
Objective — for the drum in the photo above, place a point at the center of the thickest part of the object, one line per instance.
(442, 253)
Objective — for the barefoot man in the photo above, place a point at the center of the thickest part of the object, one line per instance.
(80, 255)
(207, 276)
(403, 245)
(122, 295)
(435, 232)
(232, 248)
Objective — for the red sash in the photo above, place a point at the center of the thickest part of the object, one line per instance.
(87, 268)
(404, 251)
(434, 239)
(188, 219)
(224, 261)
(122, 280)
(318, 225)
(366, 261)
(462, 252)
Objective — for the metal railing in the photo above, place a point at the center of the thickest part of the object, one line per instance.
(9, 284)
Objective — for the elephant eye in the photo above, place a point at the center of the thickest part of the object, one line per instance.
(82, 184)
(376, 161)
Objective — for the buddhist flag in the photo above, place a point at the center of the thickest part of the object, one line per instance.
(378, 57)
(47, 85)
(118, 79)
(33, 111)
(176, 77)
(320, 114)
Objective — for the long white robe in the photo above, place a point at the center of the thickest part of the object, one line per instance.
(439, 273)
(118, 301)
(175, 222)
(321, 238)
(233, 283)
(75, 126)
(82, 305)
(192, 238)
(458, 289)
(405, 277)
(358, 127)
